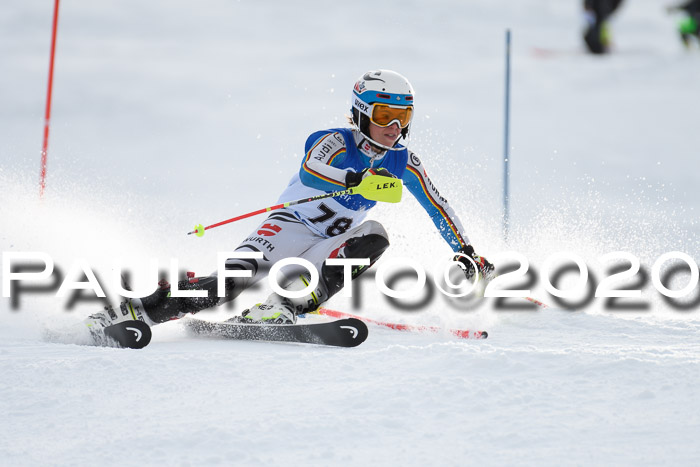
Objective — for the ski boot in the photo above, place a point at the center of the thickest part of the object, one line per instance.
(281, 310)
(129, 310)
(275, 310)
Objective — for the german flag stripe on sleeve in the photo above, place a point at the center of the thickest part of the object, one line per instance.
(437, 206)
(310, 171)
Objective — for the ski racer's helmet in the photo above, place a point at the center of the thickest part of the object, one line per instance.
(382, 97)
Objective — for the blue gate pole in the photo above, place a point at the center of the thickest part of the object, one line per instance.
(506, 144)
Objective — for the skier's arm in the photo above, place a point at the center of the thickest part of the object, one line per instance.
(443, 216)
(317, 170)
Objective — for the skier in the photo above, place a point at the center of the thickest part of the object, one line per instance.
(382, 112)
(596, 13)
(690, 26)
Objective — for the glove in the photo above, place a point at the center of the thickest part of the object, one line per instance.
(354, 178)
(483, 266)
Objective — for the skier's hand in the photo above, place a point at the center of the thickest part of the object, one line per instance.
(354, 178)
(482, 265)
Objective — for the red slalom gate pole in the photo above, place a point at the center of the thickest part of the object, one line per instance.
(463, 333)
(536, 302)
(47, 115)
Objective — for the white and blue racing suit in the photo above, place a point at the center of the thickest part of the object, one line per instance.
(330, 154)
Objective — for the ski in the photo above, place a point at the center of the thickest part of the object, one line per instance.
(340, 333)
(132, 334)
(127, 334)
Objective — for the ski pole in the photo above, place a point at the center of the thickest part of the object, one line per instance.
(373, 187)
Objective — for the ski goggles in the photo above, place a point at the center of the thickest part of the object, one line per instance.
(384, 115)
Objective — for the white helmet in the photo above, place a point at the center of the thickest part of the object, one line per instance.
(382, 97)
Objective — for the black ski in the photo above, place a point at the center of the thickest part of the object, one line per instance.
(132, 334)
(127, 334)
(340, 333)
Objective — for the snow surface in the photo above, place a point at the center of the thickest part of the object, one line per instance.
(167, 114)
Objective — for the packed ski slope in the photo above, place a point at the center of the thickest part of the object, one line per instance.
(168, 114)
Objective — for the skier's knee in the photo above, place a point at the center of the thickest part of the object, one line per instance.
(370, 241)
(374, 228)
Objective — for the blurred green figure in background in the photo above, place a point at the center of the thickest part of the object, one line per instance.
(689, 25)
(596, 14)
